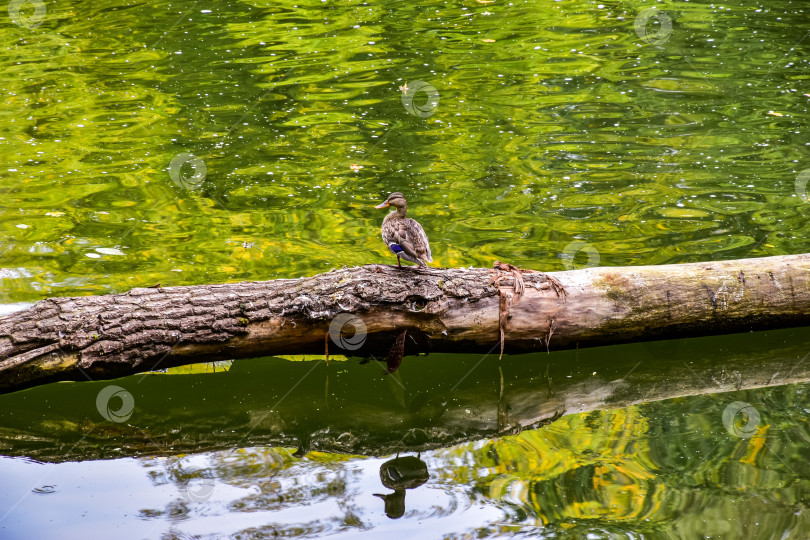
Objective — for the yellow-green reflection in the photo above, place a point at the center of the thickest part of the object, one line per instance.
(668, 468)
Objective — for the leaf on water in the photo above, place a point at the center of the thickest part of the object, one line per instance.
(110, 251)
(196, 369)
(683, 213)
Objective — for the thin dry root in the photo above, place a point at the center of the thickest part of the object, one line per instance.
(519, 287)
(557, 286)
(503, 314)
(550, 332)
(516, 272)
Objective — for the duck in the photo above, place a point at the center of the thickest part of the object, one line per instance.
(404, 236)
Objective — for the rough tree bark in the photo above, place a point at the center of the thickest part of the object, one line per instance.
(454, 310)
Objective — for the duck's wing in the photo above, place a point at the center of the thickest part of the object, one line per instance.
(410, 236)
(423, 242)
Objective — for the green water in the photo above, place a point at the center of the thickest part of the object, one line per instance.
(567, 127)
(552, 135)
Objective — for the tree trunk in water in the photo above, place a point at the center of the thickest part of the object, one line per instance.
(362, 312)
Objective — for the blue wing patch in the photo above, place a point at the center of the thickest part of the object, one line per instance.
(396, 248)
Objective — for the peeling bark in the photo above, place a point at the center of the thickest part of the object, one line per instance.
(452, 310)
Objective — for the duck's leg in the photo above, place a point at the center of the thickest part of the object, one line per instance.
(398, 263)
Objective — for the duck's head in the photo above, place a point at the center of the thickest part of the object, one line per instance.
(396, 199)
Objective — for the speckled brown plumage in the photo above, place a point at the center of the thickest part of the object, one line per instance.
(404, 236)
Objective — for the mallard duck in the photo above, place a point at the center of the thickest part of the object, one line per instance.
(403, 235)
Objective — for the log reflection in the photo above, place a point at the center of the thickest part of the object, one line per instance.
(431, 402)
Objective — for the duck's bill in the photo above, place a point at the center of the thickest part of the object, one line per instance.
(382, 205)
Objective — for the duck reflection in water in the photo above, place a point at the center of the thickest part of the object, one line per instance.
(399, 474)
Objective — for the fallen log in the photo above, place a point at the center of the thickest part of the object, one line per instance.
(362, 311)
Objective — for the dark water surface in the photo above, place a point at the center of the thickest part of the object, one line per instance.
(191, 142)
